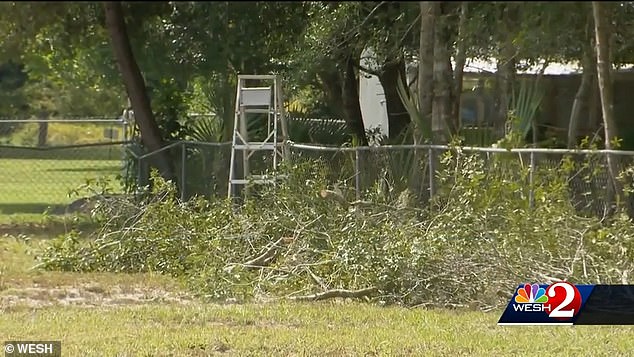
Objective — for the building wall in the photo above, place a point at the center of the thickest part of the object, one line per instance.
(559, 98)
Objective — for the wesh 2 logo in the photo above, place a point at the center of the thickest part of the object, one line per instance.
(560, 300)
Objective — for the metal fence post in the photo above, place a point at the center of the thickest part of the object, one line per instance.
(124, 127)
(531, 183)
(139, 163)
(431, 172)
(357, 173)
(183, 176)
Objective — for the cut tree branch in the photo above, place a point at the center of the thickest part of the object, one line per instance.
(336, 196)
(336, 293)
(267, 256)
(263, 260)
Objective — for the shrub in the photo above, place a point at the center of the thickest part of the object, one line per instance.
(477, 240)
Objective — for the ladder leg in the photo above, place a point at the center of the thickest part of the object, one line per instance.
(233, 144)
(245, 153)
(253, 100)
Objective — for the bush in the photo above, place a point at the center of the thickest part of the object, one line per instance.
(472, 246)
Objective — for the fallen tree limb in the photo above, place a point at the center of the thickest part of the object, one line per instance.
(269, 254)
(316, 279)
(335, 196)
(264, 259)
(336, 293)
(439, 305)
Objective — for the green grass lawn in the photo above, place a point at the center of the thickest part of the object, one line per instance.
(150, 315)
(30, 186)
(34, 180)
(300, 330)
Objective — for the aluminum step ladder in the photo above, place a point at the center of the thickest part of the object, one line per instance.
(258, 97)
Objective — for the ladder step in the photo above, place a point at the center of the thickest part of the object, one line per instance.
(260, 179)
(258, 111)
(256, 146)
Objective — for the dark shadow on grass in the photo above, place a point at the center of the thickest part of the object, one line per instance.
(22, 208)
(48, 229)
(86, 169)
(49, 226)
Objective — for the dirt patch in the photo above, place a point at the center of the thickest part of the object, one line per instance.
(87, 295)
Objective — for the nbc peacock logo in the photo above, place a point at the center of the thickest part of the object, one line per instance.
(531, 294)
(531, 298)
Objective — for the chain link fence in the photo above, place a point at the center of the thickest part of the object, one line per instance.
(385, 169)
(43, 161)
(201, 168)
(37, 174)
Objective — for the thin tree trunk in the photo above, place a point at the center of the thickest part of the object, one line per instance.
(604, 68)
(429, 11)
(505, 69)
(352, 107)
(42, 133)
(505, 78)
(581, 98)
(398, 118)
(443, 81)
(135, 87)
(596, 120)
(461, 59)
(332, 86)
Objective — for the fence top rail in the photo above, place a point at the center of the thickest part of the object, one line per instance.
(26, 121)
(403, 147)
(206, 143)
(171, 145)
(62, 147)
(462, 148)
(166, 147)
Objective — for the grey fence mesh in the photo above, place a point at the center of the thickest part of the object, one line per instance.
(36, 178)
(42, 162)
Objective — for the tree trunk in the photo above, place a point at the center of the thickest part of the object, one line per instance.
(596, 120)
(505, 76)
(504, 87)
(42, 133)
(135, 87)
(398, 118)
(228, 105)
(604, 67)
(429, 12)
(461, 59)
(581, 98)
(352, 107)
(332, 86)
(443, 82)
(505, 70)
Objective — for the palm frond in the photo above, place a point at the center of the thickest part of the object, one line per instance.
(206, 129)
(323, 131)
(421, 125)
(524, 105)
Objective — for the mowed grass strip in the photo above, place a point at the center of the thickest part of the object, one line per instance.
(18, 259)
(333, 329)
(30, 186)
(194, 328)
